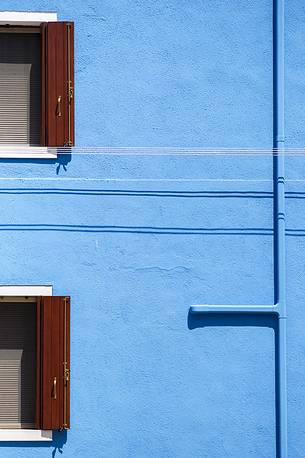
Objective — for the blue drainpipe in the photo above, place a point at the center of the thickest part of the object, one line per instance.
(279, 216)
(279, 307)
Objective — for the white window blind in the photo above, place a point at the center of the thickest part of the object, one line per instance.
(17, 365)
(20, 88)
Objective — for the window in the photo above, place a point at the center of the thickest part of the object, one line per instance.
(37, 84)
(34, 362)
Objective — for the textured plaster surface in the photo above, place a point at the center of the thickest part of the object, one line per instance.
(136, 240)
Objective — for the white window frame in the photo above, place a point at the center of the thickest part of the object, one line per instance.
(30, 19)
(24, 294)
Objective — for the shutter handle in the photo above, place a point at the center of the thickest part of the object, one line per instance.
(54, 390)
(58, 108)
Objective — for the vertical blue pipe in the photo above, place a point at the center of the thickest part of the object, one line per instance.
(279, 218)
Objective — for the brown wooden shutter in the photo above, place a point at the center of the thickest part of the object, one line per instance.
(57, 40)
(53, 368)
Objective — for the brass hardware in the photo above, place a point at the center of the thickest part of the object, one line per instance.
(70, 88)
(58, 108)
(70, 91)
(54, 390)
(66, 371)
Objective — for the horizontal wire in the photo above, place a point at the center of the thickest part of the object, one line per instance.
(155, 151)
(188, 180)
(148, 180)
(134, 180)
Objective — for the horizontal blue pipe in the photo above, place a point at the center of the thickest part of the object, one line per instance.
(206, 308)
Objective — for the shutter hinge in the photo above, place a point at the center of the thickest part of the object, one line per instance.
(66, 372)
(70, 91)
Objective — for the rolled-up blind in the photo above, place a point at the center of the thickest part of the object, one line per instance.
(17, 365)
(14, 103)
(20, 88)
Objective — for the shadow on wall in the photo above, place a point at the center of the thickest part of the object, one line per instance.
(62, 161)
(59, 440)
(195, 321)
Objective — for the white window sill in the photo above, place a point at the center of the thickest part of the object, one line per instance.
(12, 435)
(27, 152)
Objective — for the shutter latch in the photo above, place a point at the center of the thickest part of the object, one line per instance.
(54, 390)
(58, 107)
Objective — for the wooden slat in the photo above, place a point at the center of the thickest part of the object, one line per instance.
(67, 358)
(70, 130)
(61, 80)
(57, 360)
(43, 44)
(46, 360)
(38, 364)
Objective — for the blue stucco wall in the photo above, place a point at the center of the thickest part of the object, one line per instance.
(136, 240)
